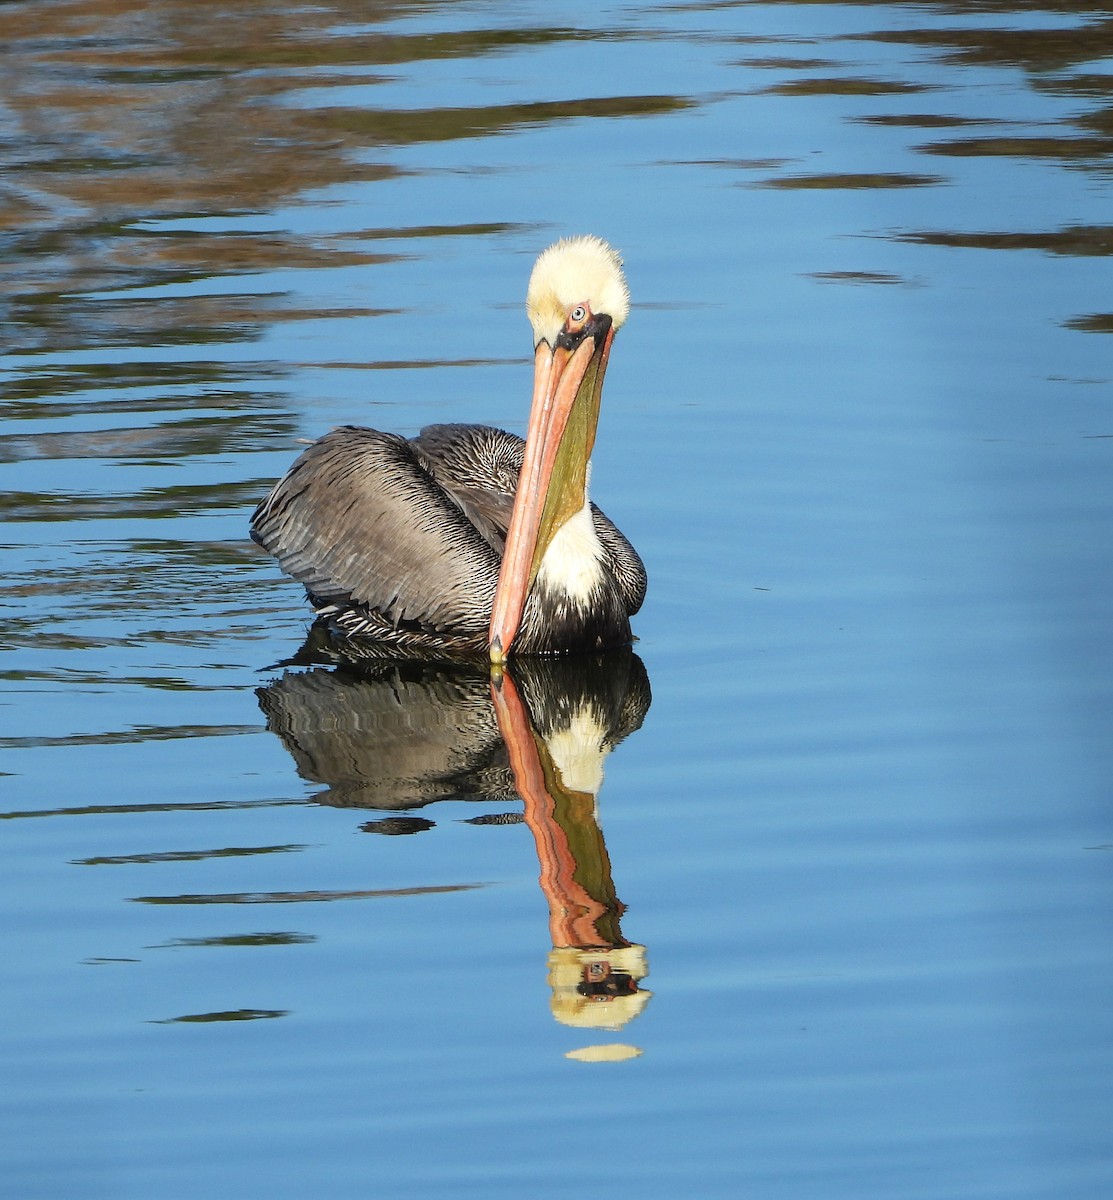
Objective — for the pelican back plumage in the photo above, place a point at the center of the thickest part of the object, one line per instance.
(399, 541)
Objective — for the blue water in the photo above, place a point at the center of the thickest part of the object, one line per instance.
(859, 428)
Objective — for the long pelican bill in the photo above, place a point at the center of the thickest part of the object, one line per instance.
(552, 486)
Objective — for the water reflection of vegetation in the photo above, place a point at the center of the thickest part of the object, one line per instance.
(237, 940)
(843, 180)
(1081, 240)
(1092, 323)
(37, 391)
(237, 1014)
(1034, 49)
(126, 594)
(310, 896)
(123, 737)
(175, 856)
(164, 117)
(844, 86)
(403, 127)
(1045, 53)
(1067, 148)
(201, 435)
(174, 806)
(154, 503)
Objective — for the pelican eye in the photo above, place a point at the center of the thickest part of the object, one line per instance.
(575, 326)
(580, 323)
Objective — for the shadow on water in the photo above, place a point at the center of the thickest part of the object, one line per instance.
(399, 735)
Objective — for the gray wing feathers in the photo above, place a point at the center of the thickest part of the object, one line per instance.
(359, 518)
(413, 530)
(478, 466)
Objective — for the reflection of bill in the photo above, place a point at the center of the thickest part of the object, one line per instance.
(402, 734)
(593, 971)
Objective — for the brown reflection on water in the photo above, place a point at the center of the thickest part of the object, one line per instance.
(179, 856)
(844, 86)
(236, 1014)
(173, 439)
(1048, 56)
(1066, 148)
(132, 109)
(237, 940)
(63, 390)
(403, 127)
(857, 277)
(1005, 45)
(926, 120)
(166, 502)
(311, 896)
(128, 594)
(116, 810)
(1055, 60)
(836, 180)
(1092, 323)
(140, 733)
(1081, 240)
(128, 115)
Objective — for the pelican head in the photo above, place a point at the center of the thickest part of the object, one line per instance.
(576, 271)
(577, 299)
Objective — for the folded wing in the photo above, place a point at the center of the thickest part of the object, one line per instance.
(362, 523)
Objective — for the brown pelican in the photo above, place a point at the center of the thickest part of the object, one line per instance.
(465, 539)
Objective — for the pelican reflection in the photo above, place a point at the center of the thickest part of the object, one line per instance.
(396, 735)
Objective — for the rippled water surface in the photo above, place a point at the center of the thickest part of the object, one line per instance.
(839, 924)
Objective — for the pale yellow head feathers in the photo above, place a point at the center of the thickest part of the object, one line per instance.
(578, 270)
